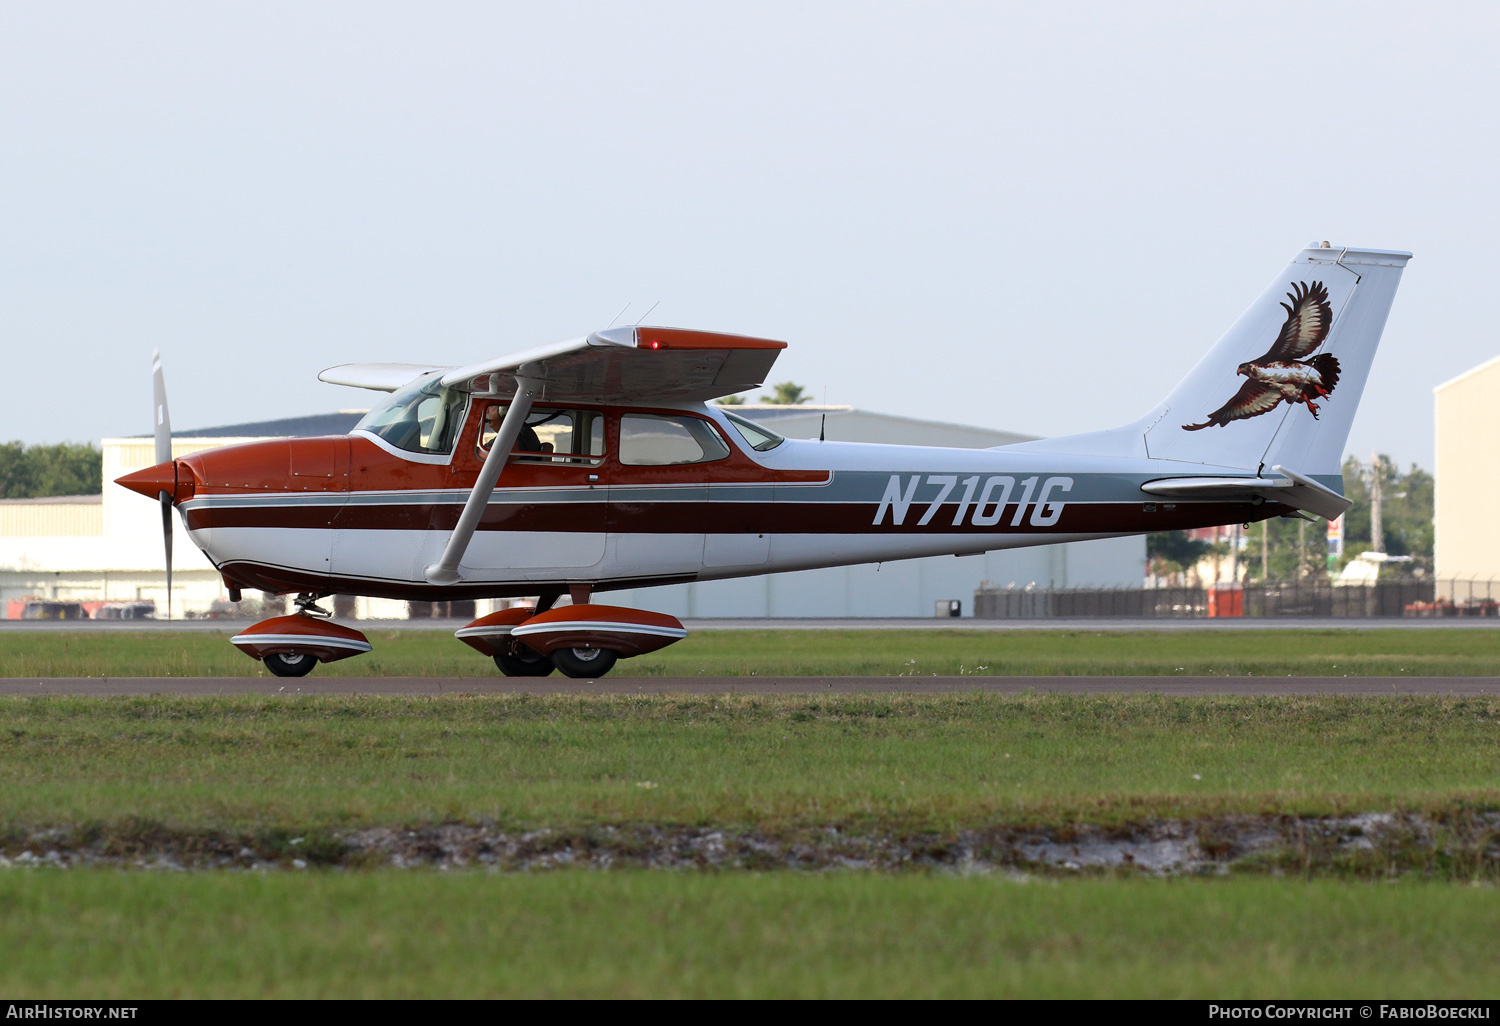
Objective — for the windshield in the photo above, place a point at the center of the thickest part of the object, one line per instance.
(758, 438)
(422, 417)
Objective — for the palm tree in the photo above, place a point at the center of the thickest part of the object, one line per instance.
(730, 400)
(787, 394)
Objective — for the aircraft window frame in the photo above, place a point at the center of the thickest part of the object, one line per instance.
(539, 417)
(742, 425)
(394, 421)
(701, 426)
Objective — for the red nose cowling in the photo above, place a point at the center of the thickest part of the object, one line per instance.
(170, 477)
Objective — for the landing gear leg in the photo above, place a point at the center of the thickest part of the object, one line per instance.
(307, 605)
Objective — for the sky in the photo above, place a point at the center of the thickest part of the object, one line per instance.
(1031, 217)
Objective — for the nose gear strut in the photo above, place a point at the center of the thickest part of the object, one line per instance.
(307, 605)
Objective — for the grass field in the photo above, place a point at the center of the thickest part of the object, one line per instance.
(769, 762)
(574, 934)
(129, 771)
(1330, 652)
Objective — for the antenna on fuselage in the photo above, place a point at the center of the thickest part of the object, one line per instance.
(822, 427)
(617, 316)
(643, 316)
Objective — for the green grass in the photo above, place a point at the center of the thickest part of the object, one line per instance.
(568, 934)
(1330, 652)
(767, 762)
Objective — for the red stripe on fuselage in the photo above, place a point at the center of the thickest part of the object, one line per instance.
(723, 518)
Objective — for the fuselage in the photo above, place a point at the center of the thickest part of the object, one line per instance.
(357, 514)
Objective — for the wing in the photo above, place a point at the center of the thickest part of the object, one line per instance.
(1253, 399)
(631, 364)
(1308, 318)
(382, 377)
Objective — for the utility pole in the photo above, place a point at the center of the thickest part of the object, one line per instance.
(1377, 527)
(1265, 550)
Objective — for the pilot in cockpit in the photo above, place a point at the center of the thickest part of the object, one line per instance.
(527, 441)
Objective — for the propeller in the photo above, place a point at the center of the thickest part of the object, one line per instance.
(163, 455)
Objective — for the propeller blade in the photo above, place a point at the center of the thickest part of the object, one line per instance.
(163, 428)
(166, 536)
(162, 420)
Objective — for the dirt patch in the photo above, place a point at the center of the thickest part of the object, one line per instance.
(1463, 845)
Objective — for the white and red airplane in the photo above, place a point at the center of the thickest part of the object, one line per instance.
(598, 463)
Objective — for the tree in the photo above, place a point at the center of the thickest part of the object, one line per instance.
(37, 471)
(1406, 509)
(730, 400)
(787, 394)
(1296, 548)
(1173, 552)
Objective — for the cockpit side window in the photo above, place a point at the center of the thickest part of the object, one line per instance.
(423, 417)
(549, 436)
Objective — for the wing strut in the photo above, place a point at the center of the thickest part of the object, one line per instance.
(445, 570)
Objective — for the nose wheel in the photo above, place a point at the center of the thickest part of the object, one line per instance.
(290, 646)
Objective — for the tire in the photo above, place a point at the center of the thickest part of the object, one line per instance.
(290, 664)
(525, 662)
(585, 662)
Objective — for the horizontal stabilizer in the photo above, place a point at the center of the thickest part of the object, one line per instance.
(1290, 488)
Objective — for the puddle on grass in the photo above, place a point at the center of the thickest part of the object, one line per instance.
(1463, 846)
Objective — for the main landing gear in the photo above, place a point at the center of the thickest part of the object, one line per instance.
(583, 641)
(519, 661)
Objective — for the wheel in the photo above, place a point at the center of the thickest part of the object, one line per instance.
(524, 662)
(585, 662)
(290, 664)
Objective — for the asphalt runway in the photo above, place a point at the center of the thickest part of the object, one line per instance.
(1255, 623)
(558, 685)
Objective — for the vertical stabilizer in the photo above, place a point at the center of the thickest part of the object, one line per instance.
(1282, 386)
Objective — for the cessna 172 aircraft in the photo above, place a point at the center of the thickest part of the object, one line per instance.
(598, 463)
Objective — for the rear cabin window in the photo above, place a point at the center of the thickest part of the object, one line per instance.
(570, 437)
(652, 440)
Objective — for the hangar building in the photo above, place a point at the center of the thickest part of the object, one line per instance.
(1467, 472)
(98, 549)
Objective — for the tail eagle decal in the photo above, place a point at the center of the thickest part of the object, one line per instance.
(1286, 373)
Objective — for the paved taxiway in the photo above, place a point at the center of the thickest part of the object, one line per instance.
(1254, 623)
(558, 685)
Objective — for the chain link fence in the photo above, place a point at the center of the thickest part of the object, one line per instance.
(1310, 598)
